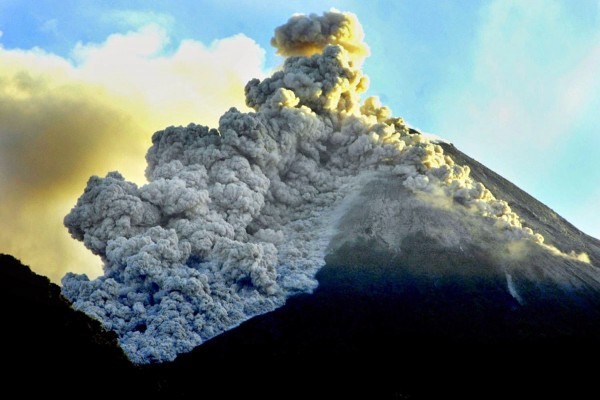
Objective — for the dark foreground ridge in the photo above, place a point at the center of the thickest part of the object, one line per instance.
(428, 322)
(50, 348)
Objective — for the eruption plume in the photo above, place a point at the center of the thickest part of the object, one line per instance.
(236, 219)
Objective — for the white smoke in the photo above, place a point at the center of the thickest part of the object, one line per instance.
(236, 219)
(510, 285)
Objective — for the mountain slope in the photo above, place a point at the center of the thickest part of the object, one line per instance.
(541, 218)
(426, 290)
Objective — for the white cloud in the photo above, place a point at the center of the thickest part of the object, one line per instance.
(138, 18)
(195, 77)
(50, 26)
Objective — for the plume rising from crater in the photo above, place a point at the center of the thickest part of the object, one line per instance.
(235, 219)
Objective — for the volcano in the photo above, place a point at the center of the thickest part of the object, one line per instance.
(400, 312)
(319, 246)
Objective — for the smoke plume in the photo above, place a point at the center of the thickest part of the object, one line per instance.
(235, 219)
(305, 35)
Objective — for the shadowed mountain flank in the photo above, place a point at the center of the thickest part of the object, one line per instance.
(427, 291)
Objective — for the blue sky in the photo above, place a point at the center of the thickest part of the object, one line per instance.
(514, 84)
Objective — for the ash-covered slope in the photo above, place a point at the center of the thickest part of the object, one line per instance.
(47, 347)
(418, 300)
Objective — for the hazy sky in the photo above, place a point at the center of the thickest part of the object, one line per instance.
(83, 86)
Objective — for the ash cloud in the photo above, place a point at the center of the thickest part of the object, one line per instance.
(305, 35)
(234, 220)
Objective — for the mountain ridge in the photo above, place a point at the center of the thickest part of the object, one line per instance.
(497, 184)
(49, 347)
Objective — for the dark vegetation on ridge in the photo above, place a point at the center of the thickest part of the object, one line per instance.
(47, 346)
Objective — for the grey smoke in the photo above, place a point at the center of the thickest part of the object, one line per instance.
(234, 220)
(305, 35)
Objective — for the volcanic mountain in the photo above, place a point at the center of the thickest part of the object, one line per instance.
(399, 312)
(448, 319)
(318, 233)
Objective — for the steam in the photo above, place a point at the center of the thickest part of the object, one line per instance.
(234, 220)
(512, 289)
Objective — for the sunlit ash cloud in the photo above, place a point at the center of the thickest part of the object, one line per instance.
(56, 113)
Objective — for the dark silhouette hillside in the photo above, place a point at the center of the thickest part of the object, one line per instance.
(47, 346)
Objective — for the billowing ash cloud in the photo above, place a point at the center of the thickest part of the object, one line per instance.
(234, 220)
(305, 35)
